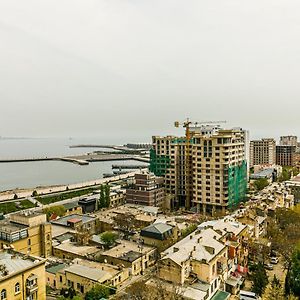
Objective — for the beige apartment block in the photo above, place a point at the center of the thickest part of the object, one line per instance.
(263, 152)
(209, 173)
(29, 233)
(22, 276)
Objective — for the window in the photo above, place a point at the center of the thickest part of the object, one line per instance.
(60, 278)
(3, 294)
(17, 287)
(29, 242)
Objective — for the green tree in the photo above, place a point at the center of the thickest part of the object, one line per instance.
(97, 292)
(102, 203)
(259, 279)
(260, 184)
(107, 195)
(109, 238)
(58, 210)
(292, 281)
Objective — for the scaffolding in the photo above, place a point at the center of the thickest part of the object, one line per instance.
(159, 164)
(237, 184)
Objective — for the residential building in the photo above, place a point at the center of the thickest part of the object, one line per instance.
(88, 204)
(159, 234)
(77, 222)
(27, 232)
(82, 275)
(262, 152)
(288, 140)
(201, 256)
(22, 276)
(285, 155)
(206, 173)
(147, 190)
(71, 250)
(72, 208)
(135, 256)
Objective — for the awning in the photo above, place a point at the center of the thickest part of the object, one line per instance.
(221, 295)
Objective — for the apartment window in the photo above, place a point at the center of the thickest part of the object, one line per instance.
(3, 294)
(29, 242)
(78, 286)
(17, 287)
(60, 278)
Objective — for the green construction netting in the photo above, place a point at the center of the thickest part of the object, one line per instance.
(159, 163)
(237, 184)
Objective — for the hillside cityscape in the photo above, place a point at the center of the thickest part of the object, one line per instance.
(209, 214)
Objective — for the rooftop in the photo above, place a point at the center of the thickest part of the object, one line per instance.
(15, 262)
(76, 249)
(73, 218)
(201, 245)
(128, 251)
(88, 272)
(56, 268)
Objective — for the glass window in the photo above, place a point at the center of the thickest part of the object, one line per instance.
(17, 287)
(3, 294)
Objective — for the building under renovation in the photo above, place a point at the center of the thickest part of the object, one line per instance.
(206, 169)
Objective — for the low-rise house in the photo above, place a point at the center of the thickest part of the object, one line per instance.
(136, 257)
(70, 250)
(77, 222)
(72, 208)
(82, 275)
(159, 234)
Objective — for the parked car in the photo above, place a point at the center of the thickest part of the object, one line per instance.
(269, 266)
(274, 260)
(245, 295)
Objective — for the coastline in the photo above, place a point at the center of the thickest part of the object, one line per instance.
(44, 190)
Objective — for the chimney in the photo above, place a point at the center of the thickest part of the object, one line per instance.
(175, 249)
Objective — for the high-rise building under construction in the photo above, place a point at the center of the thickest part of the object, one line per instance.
(206, 172)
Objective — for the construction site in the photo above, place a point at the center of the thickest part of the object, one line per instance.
(206, 169)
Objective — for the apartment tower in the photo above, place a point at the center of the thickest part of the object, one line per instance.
(262, 152)
(206, 173)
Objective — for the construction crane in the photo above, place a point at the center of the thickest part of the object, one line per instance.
(188, 162)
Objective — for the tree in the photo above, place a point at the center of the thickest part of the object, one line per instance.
(58, 210)
(259, 279)
(98, 292)
(292, 281)
(274, 291)
(107, 195)
(260, 184)
(126, 223)
(108, 238)
(102, 202)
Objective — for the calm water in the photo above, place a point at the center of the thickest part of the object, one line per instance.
(42, 173)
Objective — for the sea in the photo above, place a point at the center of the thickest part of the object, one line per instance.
(44, 173)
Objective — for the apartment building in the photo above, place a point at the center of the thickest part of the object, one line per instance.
(201, 256)
(263, 152)
(147, 190)
(22, 276)
(285, 155)
(207, 173)
(288, 140)
(28, 232)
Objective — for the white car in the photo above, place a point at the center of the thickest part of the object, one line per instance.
(274, 260)
(245, 295)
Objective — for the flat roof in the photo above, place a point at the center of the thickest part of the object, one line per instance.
(54, 269)
(15, 262)
(64, 220)
(9, 227)
(90, 273)
(76, 249)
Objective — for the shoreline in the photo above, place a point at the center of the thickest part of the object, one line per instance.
(46, 190)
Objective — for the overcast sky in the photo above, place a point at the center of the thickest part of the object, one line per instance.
(133, 67)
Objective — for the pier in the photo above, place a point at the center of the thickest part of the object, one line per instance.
(132, 167)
